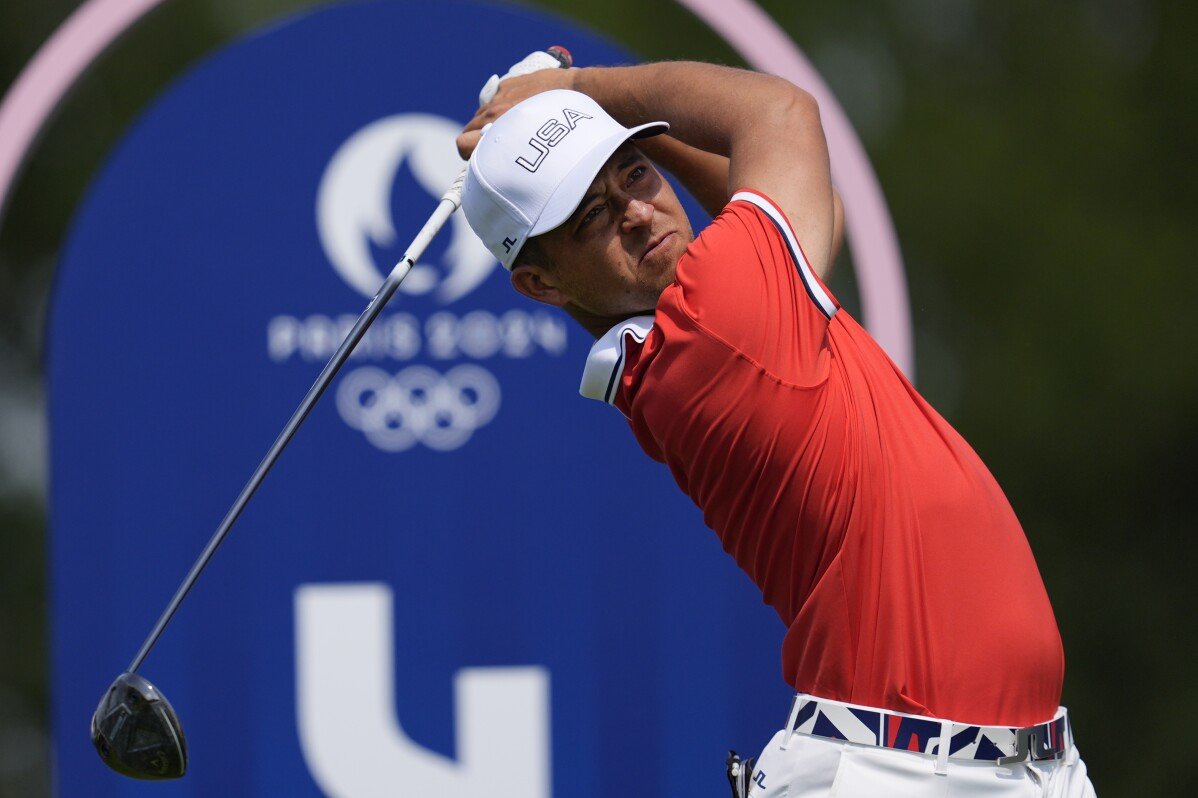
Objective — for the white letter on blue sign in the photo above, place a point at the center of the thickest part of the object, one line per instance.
(352, 740)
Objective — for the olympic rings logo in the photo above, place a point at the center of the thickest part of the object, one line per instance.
(418, 405)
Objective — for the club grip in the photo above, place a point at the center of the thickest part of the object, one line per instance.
(562, 55)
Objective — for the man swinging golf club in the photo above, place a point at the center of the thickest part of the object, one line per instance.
(920, 641)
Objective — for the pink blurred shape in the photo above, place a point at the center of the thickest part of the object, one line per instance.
(51, 73)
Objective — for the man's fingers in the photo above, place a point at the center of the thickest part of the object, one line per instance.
(467, 141)
(485, 116)
(512, 90)
(475, 124)
(509, 92)
(468, 138)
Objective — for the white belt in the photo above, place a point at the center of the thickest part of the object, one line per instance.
(1003, 745)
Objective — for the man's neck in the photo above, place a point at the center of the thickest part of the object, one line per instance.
(598, 325)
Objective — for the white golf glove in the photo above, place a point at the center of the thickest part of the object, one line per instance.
(533, 62)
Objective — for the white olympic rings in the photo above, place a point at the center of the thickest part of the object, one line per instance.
(418, 405)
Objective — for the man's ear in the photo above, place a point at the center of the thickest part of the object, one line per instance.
(535, 283)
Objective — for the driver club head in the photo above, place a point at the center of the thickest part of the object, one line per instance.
(137, 733)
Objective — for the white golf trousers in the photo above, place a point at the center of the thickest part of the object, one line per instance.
(815, 767)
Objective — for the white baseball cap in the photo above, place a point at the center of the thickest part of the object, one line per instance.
(534, 165)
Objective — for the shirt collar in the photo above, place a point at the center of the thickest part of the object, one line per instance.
(606, 361)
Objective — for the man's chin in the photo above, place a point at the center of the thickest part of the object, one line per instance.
(658, 284)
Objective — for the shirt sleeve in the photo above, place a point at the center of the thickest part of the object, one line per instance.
(746, 281)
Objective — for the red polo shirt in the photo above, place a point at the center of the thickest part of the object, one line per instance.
(868, 523)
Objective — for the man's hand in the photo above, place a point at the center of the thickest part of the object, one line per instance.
(511, 91)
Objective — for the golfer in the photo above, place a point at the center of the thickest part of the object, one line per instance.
(920, 640)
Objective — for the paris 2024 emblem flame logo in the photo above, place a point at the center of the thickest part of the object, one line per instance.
(354, 205)
(420, 404)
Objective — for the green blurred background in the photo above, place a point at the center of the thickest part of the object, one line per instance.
(1038, 159)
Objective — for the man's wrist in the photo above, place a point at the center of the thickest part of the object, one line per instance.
(579, 79)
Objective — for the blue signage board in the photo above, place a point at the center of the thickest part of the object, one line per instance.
(462, 578)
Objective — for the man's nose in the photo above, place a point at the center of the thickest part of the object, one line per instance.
(636, 214)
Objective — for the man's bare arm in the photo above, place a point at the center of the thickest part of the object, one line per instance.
(704, 174)
(837, 234)
(768, 128)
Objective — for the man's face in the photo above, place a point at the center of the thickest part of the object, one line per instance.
(619, 249)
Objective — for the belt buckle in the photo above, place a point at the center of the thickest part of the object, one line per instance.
(1033, 741)
(1023, 746)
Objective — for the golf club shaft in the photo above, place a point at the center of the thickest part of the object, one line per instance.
(445, 208)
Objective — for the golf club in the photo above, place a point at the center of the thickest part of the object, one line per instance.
(134, 729)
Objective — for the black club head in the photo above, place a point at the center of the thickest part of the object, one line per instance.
(137, 733)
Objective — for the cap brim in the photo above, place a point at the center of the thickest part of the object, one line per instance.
(564, 200)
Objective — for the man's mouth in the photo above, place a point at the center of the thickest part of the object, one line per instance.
(655, 246)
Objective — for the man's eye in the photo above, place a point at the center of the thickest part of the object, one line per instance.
(636, 174)
(591, 214)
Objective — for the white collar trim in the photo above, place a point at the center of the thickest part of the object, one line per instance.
(606, 361)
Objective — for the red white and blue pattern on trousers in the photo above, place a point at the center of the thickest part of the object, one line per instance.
(881, 728)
